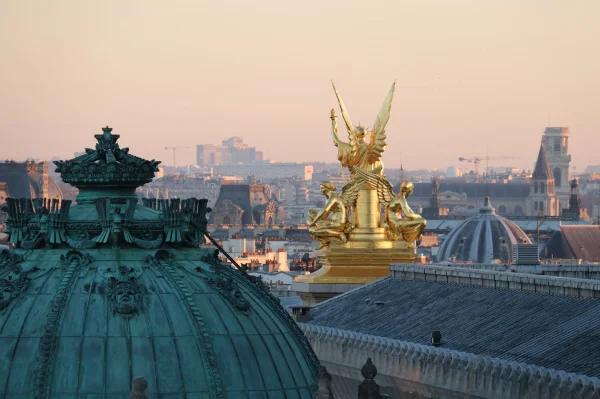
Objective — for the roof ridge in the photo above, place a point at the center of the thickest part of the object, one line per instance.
(342, 295)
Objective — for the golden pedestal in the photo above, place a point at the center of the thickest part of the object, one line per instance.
(358, 262)
(366, 256)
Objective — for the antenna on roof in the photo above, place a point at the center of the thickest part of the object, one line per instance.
(487, 171)
(401, 169)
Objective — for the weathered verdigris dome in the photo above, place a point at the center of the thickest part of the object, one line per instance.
(482, 238)
(98, 293)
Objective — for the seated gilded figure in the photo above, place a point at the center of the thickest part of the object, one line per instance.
(402, 222)
(323, 228)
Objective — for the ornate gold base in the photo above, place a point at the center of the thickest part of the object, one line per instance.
(359, 262)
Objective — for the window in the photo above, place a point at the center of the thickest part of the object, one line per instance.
(542, 188)
(535, 205)
(518, 209)
(541, 206)
(557, 176)
(535, 187)
(557, 145)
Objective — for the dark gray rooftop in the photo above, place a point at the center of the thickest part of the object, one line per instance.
(575, 242)
(542, 170)
(473, 190)
(559, 332)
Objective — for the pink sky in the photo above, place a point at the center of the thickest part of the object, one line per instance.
(470, 73)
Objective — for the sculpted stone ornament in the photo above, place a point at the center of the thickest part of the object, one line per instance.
(13, 283)
(9, 259)
(11, 286)
(227, 287)
(126, 296)
(83, 241)
(326, 230)
(124, 291)
(106, 164)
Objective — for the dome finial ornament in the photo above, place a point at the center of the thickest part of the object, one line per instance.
(487, 206)
(107, 167)
(138, 388)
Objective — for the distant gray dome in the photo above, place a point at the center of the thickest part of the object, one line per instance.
(482, 238)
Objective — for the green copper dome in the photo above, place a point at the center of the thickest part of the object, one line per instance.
(98, 293)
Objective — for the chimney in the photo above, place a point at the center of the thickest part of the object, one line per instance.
(301, 314)
(43, 180)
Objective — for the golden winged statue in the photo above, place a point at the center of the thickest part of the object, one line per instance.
(357, 152)
(401, 221)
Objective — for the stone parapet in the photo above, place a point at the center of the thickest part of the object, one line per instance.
(581, 288)
(430, 372)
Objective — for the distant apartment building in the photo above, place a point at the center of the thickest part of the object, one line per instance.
(231, 151)
(266, 171)
(182, 187)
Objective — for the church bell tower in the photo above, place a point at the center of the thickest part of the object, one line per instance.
(542, 196)
(556, 145)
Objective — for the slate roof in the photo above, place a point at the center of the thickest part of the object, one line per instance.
(575, 242)
(22, 181)
(472, 190)
(17, 178)
(542, 171)
(558, 332)
(246, 196)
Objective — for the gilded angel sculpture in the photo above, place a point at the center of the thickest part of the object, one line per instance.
(357, 152)
(401, 221)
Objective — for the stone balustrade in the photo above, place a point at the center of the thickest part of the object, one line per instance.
(430, 372)
(580, 288)
(589, 271)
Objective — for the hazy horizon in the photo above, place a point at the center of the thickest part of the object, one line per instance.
(470, 74)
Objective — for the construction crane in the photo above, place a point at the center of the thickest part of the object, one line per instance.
(477, 160)
(175, 153)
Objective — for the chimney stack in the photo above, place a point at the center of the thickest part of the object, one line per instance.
(43, 179)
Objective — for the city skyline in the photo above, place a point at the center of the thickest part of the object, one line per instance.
(469, 75)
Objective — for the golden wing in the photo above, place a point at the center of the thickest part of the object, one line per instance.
(385, 191)
(347, 121)
(377, 142)
(350, 191)
(349, 125)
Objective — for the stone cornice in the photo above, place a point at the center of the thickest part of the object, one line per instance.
(482, 376)
(498, 280)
